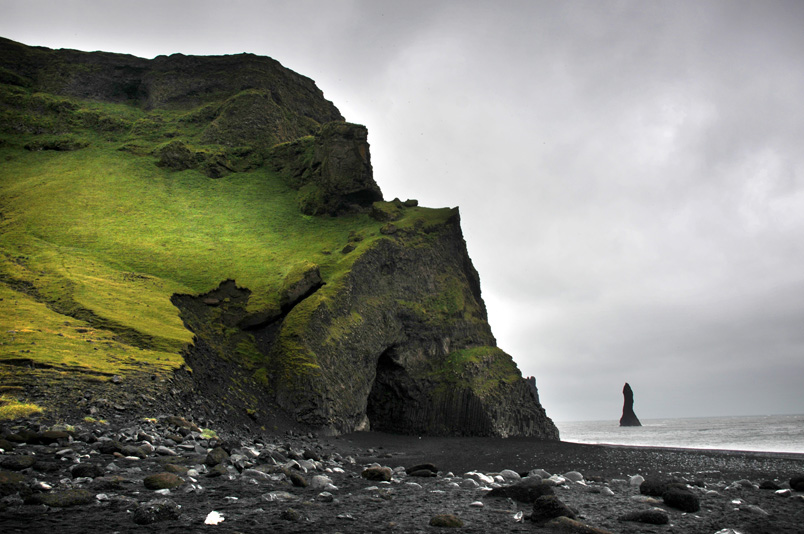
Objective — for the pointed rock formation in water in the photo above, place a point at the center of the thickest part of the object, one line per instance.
(629, 418)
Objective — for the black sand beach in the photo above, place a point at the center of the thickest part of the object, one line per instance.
(272, 484)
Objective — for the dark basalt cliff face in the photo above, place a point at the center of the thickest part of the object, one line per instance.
(389, 333)
(628, 418)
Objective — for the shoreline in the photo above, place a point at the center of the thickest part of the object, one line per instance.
(772, 454)
(463, 454)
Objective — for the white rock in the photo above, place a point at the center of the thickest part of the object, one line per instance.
(164, 491)
(214, 518)
(414, 485)
(541, 473)
(320, 482)
(307, 465)
(476, 504)
(728, 531)
(557, 480)
(498, 479)
(574, 476)
(479, 477)
(469, 483)
(606, 491)
(453, 485)
(510, 475)
(277, 496)
(783, 493)
(372, 488)
(165, 451)
(251, 452)
(754, 509)
(325, 496)
(256, 474)
(636, 480)
(646, 499)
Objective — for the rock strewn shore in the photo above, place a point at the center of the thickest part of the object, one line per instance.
(171, 475)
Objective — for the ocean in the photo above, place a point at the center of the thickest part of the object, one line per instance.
(769, 433)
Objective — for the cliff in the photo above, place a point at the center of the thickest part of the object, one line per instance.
(207, 231)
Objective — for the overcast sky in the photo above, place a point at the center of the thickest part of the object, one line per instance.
(630, 174)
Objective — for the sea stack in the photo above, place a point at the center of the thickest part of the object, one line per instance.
(629, 418)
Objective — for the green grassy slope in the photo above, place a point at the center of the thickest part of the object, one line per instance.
(94, 241)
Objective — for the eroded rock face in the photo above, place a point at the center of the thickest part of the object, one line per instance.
(402, 345)
(628, 418)
(330, 170)
(177, 81)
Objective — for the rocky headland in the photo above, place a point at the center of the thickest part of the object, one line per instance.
(242, 262)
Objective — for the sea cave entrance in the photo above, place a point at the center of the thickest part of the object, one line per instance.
(392, 399)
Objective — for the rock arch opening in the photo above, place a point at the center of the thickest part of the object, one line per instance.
(391, 402)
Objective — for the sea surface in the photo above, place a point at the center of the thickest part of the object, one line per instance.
(769, 433)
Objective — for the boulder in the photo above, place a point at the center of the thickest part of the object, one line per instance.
(87, 471)
(549, 507)
(527, 491)
(681, 499)
(162, 481)
(216, 456)
(422, 470)
(377, 473)
(156, 511)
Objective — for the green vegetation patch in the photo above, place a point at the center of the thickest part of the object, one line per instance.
(11, 409)
(481, 369)
(95, 236)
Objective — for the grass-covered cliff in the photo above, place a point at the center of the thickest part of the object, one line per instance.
(211, 227)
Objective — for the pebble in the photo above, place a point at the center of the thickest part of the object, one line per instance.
(573, 476)
(320, 482)
(509, 475)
